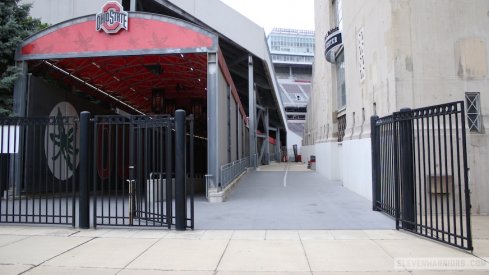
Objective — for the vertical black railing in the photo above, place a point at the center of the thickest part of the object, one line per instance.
(191, 156)
(38, 169)
(420, 173)
(138, 168)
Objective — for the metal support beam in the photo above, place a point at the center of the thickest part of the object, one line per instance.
(212, 122)
(259, 81)
(259, 116)
(252, 112)
(278, 150)
(262, 152)
(237, 61)
(259, 107)
(267, 133)
(228, 124)
(133, 5)
(19, 109)
(238, 132)
(20, 91)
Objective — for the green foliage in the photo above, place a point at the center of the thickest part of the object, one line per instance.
(15, 26)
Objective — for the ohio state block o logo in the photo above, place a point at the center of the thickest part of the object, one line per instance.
(62, 141)
(112, 18)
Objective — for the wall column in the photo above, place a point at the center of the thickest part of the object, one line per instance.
(252, 112)
(212, 177)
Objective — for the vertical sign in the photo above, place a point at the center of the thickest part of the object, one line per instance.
(361, 54)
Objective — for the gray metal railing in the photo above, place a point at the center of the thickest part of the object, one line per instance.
(232, 170)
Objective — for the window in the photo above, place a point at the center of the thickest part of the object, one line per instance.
(340, 81)
(473, 112)
(341, 127)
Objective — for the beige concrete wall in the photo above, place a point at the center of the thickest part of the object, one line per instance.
(56, 11)
(373, 17)
(417, 53)
(449, 55)
(319, 106)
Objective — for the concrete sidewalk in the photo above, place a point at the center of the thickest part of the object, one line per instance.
(55, 250)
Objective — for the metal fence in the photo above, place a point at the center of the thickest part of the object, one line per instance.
(38, 161)
(142, 172)
(232, 170)
(420, 173)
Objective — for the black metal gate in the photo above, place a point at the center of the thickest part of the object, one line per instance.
(420, 174)
(139, 171)
(38, 160)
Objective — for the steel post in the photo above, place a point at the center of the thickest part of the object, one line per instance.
(169, 174)
(407, 169)
(267, 134)
(21, 88)
(252, 112)
(84, 205)
(213, 114)
(374, 139)
(180, 171)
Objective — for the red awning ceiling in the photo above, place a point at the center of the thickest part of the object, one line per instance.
(155, 52)
(131, 79)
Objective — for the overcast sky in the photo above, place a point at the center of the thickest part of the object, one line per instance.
(293, 14)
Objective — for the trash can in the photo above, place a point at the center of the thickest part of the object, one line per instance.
(156, 188)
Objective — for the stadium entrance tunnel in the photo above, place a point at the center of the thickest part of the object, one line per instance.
(159, 65)
(155, 64)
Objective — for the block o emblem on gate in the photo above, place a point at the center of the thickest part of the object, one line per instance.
(112, 18)
(61, 141)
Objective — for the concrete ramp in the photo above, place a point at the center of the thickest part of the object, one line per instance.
(289, 196)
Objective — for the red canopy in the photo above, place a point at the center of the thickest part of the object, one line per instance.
(156, 52)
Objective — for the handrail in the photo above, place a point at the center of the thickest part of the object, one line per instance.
(232, 170)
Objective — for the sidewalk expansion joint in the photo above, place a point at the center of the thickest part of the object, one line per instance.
(140, 254)
(68, 250)
(305, 254)
(223, 252)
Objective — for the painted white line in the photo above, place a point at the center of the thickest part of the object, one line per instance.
(285, 175)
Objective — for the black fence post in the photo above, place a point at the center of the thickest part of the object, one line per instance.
(84, 205)
(180, 173)
(169, 174)
(407, 169)
(374, 139)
